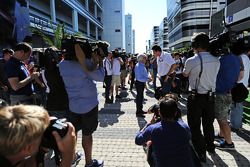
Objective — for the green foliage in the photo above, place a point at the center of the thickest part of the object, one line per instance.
(59, 33)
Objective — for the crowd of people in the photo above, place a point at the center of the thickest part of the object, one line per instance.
(69, 91)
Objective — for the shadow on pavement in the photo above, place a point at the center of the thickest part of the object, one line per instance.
(217, 161)
(141, 122)
(239, 158)
(244, 134)
(109, 116)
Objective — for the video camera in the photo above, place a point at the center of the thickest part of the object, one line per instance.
(68, 47)
(220, 43)
(46, 57)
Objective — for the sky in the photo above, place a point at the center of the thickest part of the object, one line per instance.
(145, 15)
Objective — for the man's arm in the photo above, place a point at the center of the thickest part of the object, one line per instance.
(144, 135)
(172, 68)
(16, 84)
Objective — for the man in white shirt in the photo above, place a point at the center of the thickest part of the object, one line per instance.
(107, 65)
(165, 66)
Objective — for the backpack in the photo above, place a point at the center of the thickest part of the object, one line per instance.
(239, 93)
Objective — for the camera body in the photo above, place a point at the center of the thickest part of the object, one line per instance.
(58, 125)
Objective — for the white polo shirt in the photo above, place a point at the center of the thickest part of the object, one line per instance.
(164, 62)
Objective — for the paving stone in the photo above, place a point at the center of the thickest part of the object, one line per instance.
(118, 125)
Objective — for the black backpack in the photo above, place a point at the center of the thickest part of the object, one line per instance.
(239, 93)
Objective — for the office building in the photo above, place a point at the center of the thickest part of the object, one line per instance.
(188, 17)
(163, 35)
(128, 34)
(114, 23)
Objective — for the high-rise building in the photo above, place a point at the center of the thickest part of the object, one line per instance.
(114, 23)
(133, 41)
(163, 35)
(155, 36)
(188, 17)
(128, 34)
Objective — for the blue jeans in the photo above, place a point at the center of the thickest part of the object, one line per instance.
(236, 115)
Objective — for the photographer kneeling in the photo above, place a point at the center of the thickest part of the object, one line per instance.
(170, 137)
(21, 132)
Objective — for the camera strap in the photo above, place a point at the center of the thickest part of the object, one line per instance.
(197, 84)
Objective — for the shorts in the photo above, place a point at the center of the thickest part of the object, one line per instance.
(123, 73)
(58, 113)
(116, 80)
(87, 122)
(222, 106)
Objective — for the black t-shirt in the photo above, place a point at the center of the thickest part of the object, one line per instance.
(17, 69)
(3, 77)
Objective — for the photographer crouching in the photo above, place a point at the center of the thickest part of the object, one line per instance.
(169, 136)
(22, 128)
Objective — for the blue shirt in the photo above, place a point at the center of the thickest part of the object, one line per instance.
(228, 73)
(17, 69)
(170, 141)
(81, 87)
(141, 73)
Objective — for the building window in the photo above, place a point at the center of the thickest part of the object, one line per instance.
(117, 30)
(117, 11)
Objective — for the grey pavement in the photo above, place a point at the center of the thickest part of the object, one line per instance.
(118, 125)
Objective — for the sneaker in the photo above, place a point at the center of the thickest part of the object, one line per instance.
(77, 159)
(218, 138)
(96, 163)
(223, 145)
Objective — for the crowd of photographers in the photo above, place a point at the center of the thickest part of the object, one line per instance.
(64, 83)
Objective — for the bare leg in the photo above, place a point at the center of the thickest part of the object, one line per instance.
(87, 142)
(225, 131)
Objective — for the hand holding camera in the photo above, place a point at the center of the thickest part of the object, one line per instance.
(60, 137)
(66, 144)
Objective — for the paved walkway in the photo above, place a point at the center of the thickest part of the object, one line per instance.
(114, 138)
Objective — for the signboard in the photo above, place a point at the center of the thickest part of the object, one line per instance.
(230, 19)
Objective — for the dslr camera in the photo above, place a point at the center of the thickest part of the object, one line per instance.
(58, 125)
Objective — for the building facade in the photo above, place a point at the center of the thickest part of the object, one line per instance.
(237, 15)
(188, 17)
(128, 34)
(154, 39)
(114, 23)
(81, 16)
(163, 35)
